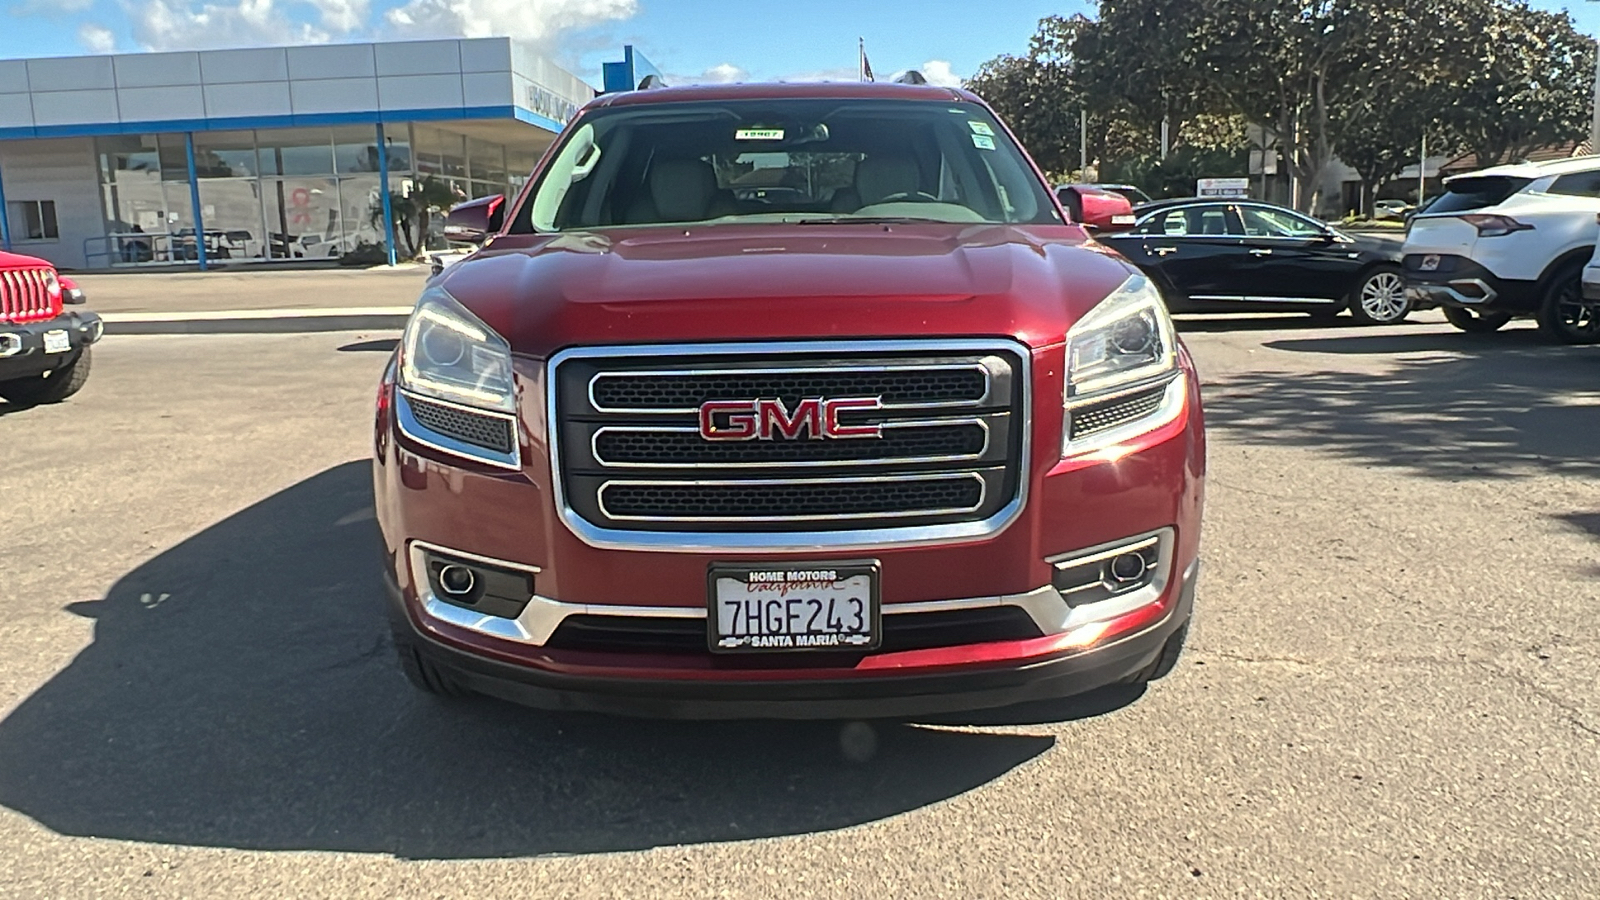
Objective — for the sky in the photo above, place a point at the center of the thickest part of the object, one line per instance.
(690, 40)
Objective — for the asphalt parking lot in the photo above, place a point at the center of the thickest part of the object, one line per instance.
(1390, 690)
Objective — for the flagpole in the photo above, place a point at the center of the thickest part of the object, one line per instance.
(861, 59)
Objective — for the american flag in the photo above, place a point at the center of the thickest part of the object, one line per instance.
(866, 67)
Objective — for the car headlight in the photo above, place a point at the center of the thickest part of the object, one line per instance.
(1122, 369)
(446, 353)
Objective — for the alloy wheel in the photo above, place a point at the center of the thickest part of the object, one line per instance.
(1383, 298)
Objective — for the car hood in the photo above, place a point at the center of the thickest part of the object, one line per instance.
(766, 282)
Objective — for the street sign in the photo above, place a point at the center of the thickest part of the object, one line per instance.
(1223, 187)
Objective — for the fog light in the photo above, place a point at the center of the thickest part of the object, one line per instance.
(1127, 568)
(457, 581)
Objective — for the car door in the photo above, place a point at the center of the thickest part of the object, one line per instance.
(1192, 249)
(1292, 258)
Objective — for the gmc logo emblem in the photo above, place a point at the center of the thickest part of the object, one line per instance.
(767, 420)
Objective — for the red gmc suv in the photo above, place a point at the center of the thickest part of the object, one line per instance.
(787, 401)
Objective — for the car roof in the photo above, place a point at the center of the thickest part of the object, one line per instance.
(1156, 205)
(1538, 169)
(821, 90)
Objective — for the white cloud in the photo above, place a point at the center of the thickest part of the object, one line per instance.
(533, 20)
(937, 71)
(182, 25)
(96, 38)
(342, 16)
(722, 73)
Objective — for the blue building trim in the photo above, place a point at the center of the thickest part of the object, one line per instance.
(236, 123)
(383, 191)
(533, 118)
(194, 200)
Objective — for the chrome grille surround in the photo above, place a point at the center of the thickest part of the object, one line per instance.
(1005, 365)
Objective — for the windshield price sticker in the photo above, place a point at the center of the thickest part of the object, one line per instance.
(794, 607)
(981, 128)
(758, 134)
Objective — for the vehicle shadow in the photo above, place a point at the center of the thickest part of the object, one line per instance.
(1498, 406)
(241, 692)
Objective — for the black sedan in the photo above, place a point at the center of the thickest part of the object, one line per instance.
(1245, 256)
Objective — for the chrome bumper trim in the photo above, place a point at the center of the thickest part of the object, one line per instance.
(1449, 294)
(1049, 610)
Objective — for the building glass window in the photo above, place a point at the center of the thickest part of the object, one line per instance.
(34, 220)
(296, 151)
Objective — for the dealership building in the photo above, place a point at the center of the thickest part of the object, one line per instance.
(257, 155)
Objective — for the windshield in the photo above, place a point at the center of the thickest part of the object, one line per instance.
(786, 161)
(1469, 193)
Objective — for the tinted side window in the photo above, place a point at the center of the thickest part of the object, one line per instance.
(1578, 184)
(1192, 221)
(1467, 194)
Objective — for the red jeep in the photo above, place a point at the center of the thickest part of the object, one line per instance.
(787, 401)
(44, 350)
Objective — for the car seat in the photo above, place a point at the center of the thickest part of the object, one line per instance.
(877, 177)
(681, 190)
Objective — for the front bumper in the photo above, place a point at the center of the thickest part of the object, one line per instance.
(22, 347)
(1146, 484)
(1457, 281)
(815, 693)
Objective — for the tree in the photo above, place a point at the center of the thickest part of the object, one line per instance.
(413, 210)
(1035, 94)
(1525, 84)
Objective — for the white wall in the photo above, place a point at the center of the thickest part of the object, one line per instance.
(63, 170)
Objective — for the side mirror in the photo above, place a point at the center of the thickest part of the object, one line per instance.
(474, 221)
(1104, 211)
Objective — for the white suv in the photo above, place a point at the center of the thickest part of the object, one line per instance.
(1510, 241)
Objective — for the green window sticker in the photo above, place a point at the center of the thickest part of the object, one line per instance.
(758, 134)
(981, 128)
(983, 142)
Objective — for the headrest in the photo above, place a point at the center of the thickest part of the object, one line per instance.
(682, 189)
(878, 177)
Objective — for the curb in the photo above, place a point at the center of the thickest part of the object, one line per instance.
(259, 321)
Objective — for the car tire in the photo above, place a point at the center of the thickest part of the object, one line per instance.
(51, 387)
(421, 672)
(1564, 314)
(1473, 322)
(1170, 651)
(1380, 298)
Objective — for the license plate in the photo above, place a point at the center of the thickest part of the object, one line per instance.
(781, 607)
(57, 342)
(1430, 263)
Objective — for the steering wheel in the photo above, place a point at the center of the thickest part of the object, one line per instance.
(910, 196)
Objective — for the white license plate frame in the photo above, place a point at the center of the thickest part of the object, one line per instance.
(1430, 263)
(784, 598)
(57, 341)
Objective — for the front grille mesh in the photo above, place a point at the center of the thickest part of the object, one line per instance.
(813, 499)
(688, 448)
(631, 458)
(930, 386)
(1099, 417)
(491, 432)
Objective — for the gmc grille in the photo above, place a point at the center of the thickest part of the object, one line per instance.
(630, 458)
